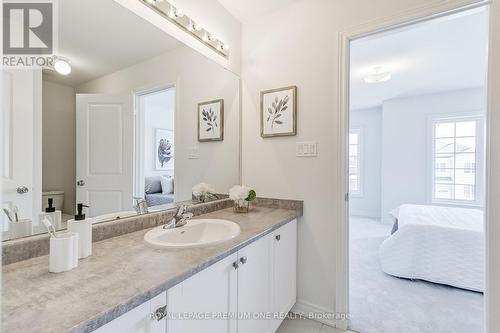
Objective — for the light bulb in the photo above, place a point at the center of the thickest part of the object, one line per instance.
(226, 47)
(62, 66)
(197, 27)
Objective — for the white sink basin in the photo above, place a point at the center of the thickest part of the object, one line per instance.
(114, 216)
(195, 233)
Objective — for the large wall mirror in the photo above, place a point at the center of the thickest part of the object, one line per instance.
(127, 123)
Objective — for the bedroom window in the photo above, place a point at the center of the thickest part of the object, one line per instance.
(455, 156)
(355, 188)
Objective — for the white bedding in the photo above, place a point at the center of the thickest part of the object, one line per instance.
(437, 244)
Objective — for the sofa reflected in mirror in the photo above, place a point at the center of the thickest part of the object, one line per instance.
(159, 190)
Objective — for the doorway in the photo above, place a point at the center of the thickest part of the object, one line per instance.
(155, 146)
(416, 176)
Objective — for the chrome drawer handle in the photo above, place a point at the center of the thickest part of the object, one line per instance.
(160, 313)
(278, 237)
(235, 265)
(80, 183)
(243, 260)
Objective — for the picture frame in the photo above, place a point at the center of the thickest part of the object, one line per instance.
(278, 112)
(211, 121)
(163, 149)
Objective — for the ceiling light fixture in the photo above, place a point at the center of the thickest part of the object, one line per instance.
(62, 66)
(378, 76)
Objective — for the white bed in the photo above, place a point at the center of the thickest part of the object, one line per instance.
(437, 244)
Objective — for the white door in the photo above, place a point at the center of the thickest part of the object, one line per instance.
(284, 268)
(254, 287)
(104, 152)
(212, 291)
(138, 320)
(22, 144)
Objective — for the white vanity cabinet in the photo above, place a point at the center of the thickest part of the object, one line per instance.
(194, 304)
(146, 318)
(240, 294)
(284, 270)
(254, 286)
(251, 286)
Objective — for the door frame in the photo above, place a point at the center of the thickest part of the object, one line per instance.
(413, 15)
(139, 137)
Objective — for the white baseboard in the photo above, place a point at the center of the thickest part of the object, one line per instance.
(305, 308)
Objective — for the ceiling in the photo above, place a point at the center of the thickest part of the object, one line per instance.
(100, 37)
(245, 10)
(443, 54)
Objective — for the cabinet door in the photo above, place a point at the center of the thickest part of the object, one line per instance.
(285, 267)
(138, 320)
(254, 286)
(200, 303)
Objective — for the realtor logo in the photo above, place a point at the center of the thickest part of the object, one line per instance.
(28, 28)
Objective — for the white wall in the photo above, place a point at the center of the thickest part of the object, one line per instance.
(158, 112)
(369, 122)
(211, 15)
(299, 45)
(197, 79)
(493, 231)
(405, 142)
(58, 139)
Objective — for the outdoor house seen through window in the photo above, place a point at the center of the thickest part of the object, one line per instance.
(354, 162)
(455, 157)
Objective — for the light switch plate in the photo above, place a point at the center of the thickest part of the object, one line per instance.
(193, 153)
(306, 149)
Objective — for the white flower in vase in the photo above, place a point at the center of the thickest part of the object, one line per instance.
(203, 192)
(242, 196)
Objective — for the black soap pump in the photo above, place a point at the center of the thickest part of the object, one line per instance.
(79, 216)
(82, 226)
(55, 216)
(50, 209)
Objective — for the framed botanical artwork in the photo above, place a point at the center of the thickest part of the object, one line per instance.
(164, 149)
(278, 112)
(211, 121)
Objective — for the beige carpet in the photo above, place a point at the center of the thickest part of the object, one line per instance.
(380, 303)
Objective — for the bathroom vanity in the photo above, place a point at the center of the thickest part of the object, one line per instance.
(246, 284)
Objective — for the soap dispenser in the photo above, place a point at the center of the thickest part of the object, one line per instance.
(83, 227)
(55, 216)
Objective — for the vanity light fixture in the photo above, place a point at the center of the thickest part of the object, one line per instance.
(197, 27)
(378, 76)
(62, 66)
(177, 16)
(191, 26)
(175, 13)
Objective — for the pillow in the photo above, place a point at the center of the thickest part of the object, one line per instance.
(167, 185)
(152, 185)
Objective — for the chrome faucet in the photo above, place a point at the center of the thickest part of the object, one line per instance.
(180, 218)
(141, 206)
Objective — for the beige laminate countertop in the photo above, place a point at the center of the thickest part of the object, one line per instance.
(122, 273)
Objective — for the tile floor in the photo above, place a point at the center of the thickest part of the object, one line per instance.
(306, 326)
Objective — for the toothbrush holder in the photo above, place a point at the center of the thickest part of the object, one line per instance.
(21, 228)
(63, 252)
